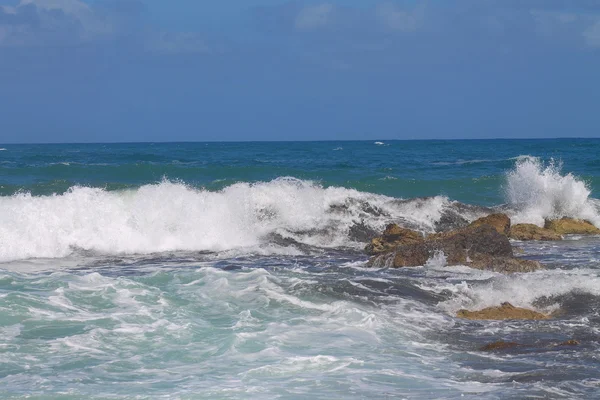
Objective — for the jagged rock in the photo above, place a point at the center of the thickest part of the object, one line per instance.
(505, 265)
(499, 345)
(532, 232)
(566, 226)
(479, 246)
(500, 222)
(392, 237)
(505, 311)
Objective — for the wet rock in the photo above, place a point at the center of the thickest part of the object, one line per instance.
(505, 265)
(571, 342)
(500, 222)
(392, 237)
(361, 232)
(566, 226)
(539, 346)
(499, 345)
(532, 232)
(479, 246)
(505, 311)
(450, 220)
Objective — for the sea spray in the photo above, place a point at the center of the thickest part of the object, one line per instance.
(539, 191)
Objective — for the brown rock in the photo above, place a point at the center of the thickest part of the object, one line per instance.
(499, 345)
(459, 247)
(565, 226)
(571, 342)
(392, 237)
(505, 265)
(505, 311)
(500, 222)
(532, 232)
(412, 255)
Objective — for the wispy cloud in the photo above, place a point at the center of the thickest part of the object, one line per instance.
(33, 23)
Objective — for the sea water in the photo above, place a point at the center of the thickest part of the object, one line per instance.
(236, 270)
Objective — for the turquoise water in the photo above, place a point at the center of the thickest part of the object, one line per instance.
(235, 270)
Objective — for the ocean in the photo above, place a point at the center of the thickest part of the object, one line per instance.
(237, 271)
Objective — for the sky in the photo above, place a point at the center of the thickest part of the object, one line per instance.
(204, 70)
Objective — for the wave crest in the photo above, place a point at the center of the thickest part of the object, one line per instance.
(172, 216)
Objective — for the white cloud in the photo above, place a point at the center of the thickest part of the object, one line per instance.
(314, 17)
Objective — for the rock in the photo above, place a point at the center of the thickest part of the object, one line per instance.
(505, 311)
(499, 345)
(565, 226)
(505, 265)
(500, 222)
(412, 255)
(392, 237)
(502, 345)
(532, 232)
(459, 247)
(450, 220)
(571, 342)
(479, 246)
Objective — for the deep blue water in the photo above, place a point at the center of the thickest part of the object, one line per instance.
(471, 171)
(235, 270)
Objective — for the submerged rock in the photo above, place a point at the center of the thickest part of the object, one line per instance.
(566, 226)
(505, 265)
(499, 345)
(500, 222)
(502, 345)
(505, 311)
(392, 237)
(532, 232)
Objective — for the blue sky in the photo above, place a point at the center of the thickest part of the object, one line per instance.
(190, 70)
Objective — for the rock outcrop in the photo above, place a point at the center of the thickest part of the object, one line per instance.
(392, 237)
(499, 345)
(500, 222)
(532, 232)
(480, 245)
(505, 311)
(566, 226)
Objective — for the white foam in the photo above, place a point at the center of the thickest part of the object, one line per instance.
(521, 290)
(540, 192)
(171, 216)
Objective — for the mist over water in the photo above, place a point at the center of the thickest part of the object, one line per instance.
(236, 271)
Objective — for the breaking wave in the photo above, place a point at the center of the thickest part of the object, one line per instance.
(539, 191)
(172, 216)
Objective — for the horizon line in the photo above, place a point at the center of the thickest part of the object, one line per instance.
(296, 141)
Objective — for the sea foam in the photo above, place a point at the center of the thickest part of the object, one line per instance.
(172, 216)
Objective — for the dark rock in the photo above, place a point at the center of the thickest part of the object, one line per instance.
(505, 311)
(499, 345)
(479, 246)
(505, 265)
(360, 232)
(450, 220)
